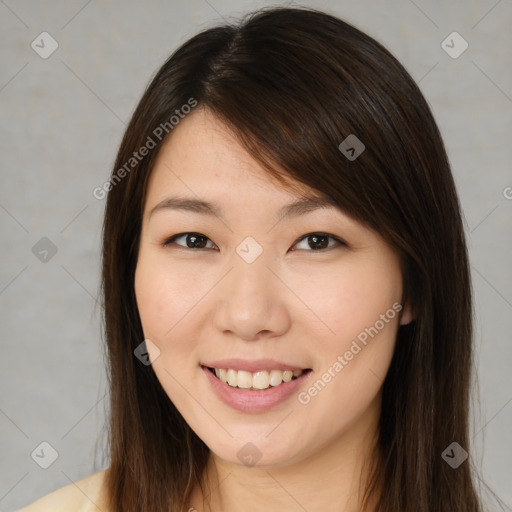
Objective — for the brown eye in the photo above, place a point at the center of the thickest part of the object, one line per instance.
(192, 240)
(319, 241)
(316, 242)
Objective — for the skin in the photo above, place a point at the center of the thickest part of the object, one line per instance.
(293, 303)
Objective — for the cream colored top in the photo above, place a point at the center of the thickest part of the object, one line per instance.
(85, 495)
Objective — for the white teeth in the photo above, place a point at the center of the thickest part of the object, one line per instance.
(232, 377)
(276, 377)
(244, 379)
(259, 380)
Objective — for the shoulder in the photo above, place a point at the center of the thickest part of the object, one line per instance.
(85, 495)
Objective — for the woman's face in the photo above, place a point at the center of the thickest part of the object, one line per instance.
(245, 291)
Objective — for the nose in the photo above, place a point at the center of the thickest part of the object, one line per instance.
(251, 301)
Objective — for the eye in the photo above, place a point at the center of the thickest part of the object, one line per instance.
(319, 241)
(316, 241)
(192, 240)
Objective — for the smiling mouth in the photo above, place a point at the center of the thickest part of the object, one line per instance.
(259, 380)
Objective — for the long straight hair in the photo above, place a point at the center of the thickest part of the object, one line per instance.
(292, 84)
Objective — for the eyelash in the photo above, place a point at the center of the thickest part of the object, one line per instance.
(167, 242)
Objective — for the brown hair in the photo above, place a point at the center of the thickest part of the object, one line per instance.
(292, 84)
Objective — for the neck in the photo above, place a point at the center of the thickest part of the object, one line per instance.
(332, 479)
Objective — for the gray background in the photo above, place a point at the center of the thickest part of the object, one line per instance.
(62, 120)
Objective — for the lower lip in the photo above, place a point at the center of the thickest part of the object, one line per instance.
(250, 400)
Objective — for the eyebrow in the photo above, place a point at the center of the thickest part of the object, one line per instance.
(295, 209)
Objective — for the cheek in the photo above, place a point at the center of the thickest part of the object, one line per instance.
(360, 303)
(352, 362)
(166, 302)
(344, 302)
(163, 299)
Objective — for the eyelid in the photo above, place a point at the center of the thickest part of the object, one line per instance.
(168, 241)
(337, 239)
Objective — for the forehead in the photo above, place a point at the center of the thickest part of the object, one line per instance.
(203, 169)
(202, 157)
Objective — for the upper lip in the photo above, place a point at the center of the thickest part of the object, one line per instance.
(252, 365)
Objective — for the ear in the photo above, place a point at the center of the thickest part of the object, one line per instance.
(407, 315)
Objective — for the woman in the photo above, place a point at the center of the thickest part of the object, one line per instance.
(247, 372)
